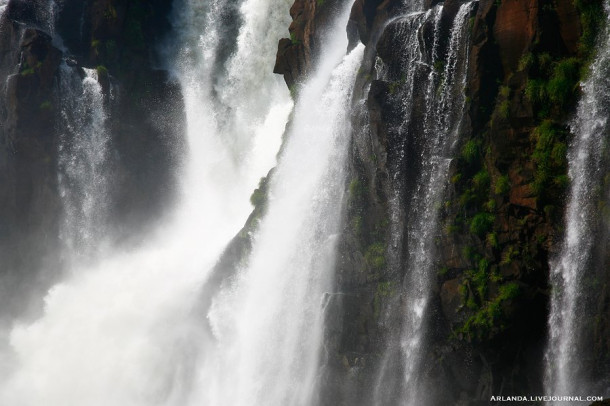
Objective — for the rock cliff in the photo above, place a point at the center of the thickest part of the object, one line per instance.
(501, 217)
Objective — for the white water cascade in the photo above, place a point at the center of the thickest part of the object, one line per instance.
(590, 126)
(127, 330)
(444, 98)
(124, 331)
(268, 323)
(83, 150)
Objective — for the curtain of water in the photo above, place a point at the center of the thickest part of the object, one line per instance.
(591, 127)
(83, 150)
(444, 103)
(124, 330)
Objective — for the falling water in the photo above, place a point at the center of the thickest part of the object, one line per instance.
(125, 331)
(590, 126)
(268, 323)
(444, 97)
(83, 150)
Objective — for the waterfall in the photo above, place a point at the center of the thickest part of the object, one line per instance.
(268, 322)
(83, 150)
(437, 138)
(125, 330)
(590, 126)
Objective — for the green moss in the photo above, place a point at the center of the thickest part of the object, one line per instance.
(492, 239)
(490, 205)
(439, 66)
(592, 19)
(27, 72)
(375, 256)
(356, 189)
(527, 61)
(46, 106)
(504, 91)
(102, 71)
(481, 223)
(504, 109)
(110, 12)
(510, 253)
(259, 196)
(293, 39)
(471, 151)
(489, 318)
(481, 180)
(562, 84)
(293, 91)
(561, 181)
(357, 225)
(502, 186)
(386, 289)
(535, 91)
(549, 155)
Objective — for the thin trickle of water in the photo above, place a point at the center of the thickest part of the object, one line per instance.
(83, 150)
(591, 126)
(442, 123)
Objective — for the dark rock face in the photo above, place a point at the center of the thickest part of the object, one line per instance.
(119, 39)
(297, 55)
(472, 355)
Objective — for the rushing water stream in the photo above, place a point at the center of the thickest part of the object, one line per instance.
(140, 326)
(591, 124)
(127, 330)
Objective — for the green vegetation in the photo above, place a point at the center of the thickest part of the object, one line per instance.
(259, 196)
(504, 109)
(550, 158)
(562, 83)
(481, 180)
(592, 19)
(46, 106)
(384, 290)
(27, 70)
(482, 184)
(375, 256)
(471, 151)
(492, 239)
(102, 71)
(293, 39)
(481, 223)
(488, 319)
(502, 186)
(110, 12)
(527, 61)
